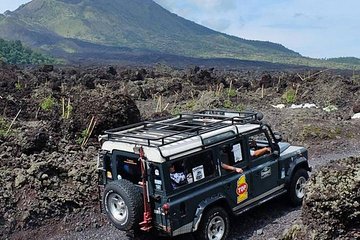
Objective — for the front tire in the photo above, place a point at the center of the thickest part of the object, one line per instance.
(297, 191)
(215, 225)
(123, 204)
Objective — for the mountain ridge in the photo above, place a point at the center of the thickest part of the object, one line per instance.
(137, 24)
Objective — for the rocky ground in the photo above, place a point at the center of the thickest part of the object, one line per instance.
(47, 167)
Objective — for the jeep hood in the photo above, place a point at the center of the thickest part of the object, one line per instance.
(283, 146)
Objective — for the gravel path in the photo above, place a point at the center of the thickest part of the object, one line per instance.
(267, 221)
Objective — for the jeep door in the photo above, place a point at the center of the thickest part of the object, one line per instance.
(264, 167)
(235, 185)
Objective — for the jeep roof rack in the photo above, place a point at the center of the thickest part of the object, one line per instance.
(161, 132)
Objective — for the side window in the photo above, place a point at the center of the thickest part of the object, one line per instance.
(258, 145)
(230, 154)
(191, 169)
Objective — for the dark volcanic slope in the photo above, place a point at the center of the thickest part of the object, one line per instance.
(66, 26)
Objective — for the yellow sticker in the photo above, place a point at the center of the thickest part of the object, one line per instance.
(242, 189)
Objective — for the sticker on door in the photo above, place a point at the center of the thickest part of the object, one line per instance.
(266, 172)
(241, 189)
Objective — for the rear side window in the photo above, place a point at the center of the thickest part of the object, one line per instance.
(191, 169)
(128, 168)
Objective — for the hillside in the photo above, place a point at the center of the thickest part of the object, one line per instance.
(66, 26)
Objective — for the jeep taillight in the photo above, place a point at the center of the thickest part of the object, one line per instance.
(166, 208)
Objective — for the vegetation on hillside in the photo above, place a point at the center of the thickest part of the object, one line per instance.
(14, 52)
(345, 60)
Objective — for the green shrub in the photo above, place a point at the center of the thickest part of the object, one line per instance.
(240, 107)
(190, 105)
(228, 104)
(83, 135)
(4, 126)
(232, 92)
(47, 104)
(176, 110)
(289, 96)
(18, 86)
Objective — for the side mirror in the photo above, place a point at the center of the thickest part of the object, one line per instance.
(278, 137)
(259, 116)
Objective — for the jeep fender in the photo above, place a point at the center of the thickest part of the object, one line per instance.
(295, 164)
(206, 203)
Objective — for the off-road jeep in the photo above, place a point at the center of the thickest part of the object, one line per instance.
(168, 175)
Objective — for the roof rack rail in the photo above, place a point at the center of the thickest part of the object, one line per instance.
(158, 133)
(238, 116)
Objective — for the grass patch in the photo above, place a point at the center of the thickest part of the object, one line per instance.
(230, 105)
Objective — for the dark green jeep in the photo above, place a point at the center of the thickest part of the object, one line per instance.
(189, 173)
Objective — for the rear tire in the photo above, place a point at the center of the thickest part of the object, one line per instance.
(215, 225)
(297, 191)
(123, 204)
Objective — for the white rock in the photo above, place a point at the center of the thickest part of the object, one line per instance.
(294, 106)
(259, 231)
(309, 105)
(279, 106)
(356, 116)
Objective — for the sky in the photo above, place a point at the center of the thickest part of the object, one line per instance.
(314, 28)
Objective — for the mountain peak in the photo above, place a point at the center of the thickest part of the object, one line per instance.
(136, 24)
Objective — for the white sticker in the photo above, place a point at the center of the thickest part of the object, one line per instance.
(198, 173)
(189, 178)
(237, 152)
